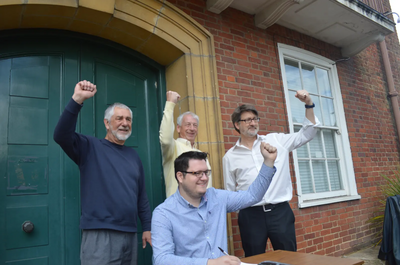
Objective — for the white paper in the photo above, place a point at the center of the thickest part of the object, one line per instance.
(244, 263)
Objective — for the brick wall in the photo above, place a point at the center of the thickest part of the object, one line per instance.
(248, 72)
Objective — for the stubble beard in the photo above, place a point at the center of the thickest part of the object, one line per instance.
(252, 133)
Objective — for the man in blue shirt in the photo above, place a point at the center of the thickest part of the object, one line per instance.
(113, 192)
(190, 225)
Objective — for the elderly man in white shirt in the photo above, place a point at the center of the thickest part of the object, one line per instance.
(272, 217)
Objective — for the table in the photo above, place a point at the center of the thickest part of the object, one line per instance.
(297, 258)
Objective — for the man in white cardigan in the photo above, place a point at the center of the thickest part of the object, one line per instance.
(187, 127)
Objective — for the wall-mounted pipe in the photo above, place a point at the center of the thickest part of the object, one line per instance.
(392, 91)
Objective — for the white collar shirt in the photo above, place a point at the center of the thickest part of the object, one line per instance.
(241, 164)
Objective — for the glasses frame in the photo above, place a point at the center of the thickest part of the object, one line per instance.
(248, 121)
(197, 173)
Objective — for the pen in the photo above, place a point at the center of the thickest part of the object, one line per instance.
(223, 251)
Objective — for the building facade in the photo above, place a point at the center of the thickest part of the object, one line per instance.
(217, 55)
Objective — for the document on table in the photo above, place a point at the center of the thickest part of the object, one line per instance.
(244, 263)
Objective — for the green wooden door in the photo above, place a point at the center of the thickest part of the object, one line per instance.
(29, 93)
(41, 184)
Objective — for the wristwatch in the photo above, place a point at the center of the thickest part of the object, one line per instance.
(310, 106)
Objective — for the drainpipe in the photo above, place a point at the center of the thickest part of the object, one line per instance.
(392, 91)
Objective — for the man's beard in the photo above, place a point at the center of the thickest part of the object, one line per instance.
(119, 136)
(252, 133)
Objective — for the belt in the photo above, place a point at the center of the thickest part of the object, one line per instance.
(269, 206)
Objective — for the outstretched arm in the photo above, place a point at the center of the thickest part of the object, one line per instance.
(64, 134)
(167, 126)
(242, 199)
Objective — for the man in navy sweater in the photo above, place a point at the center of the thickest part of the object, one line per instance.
(113, 191)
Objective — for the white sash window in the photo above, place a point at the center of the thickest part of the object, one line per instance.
(324, 166)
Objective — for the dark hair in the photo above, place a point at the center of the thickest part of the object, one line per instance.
(182, 162)
(237, 113)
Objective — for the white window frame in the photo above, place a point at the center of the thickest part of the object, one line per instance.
(349, 191)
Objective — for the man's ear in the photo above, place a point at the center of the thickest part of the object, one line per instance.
(106, 124)
(237, 126)
(180, 176)
(178, 129)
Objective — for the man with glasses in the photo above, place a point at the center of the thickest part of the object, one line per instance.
(190, 226)
(187, 125)
(272, 216)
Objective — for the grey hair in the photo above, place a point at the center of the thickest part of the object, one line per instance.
(110, 110)
(179, 120)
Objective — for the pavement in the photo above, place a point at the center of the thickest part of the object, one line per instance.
(369, 255)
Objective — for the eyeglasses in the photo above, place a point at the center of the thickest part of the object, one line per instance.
(199, 174)
(248, 121)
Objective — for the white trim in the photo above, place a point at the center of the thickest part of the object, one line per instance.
(311, 203)
(349, 191)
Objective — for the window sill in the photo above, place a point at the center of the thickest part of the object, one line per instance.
(317, 202)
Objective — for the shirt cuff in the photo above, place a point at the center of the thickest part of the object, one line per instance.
(308, 123)
(266, 170)
(169, 105)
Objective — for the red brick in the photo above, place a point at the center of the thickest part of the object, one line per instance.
(250, 55)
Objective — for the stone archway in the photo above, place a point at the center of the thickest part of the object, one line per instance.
(154, 28)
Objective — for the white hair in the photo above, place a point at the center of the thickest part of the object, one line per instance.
(179, 120)
(110, 110)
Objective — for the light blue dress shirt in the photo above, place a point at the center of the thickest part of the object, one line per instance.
(186, 235)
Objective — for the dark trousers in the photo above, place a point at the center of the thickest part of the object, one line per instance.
(273, 221)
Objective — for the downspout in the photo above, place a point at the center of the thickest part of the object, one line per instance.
(392, 91)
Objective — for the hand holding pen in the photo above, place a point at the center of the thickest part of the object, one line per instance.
(225, 260)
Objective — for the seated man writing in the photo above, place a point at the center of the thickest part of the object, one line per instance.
(190, 225)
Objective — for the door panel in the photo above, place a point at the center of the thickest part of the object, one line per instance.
(29, 193)
(40, 183)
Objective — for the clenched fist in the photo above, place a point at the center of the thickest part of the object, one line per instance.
(269, 153)
(304, 96)
(173, 96)
(83, 90)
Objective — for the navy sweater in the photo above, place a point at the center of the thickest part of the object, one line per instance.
(113, 191)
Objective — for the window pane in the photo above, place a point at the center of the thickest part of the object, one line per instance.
(305, 178)
(328, 112)
(310, 84)
(302, 152)
(297, 107)
(320, 176)
(336, 183)
(292, 74)
(317, 109)
(316, 146)
(323, 82)
(329, 139)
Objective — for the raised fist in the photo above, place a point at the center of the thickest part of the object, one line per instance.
(269, 153)
(83, 90)
(173, 96)
(304, 96)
